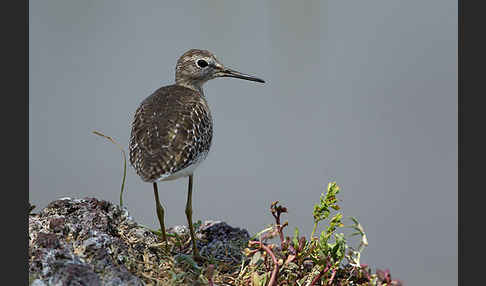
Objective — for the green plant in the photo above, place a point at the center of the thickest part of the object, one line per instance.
(320, 260)
(322, 210)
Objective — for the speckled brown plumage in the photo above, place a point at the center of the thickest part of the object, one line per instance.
(171, 130)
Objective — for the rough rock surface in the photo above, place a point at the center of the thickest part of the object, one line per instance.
(221, 241)
(94, 242)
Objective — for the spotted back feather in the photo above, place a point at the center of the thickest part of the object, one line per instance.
(171, 130)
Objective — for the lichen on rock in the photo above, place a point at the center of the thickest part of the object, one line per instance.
(94, 242)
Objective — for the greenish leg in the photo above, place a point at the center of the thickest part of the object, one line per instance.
(189, 217)
(160, 213)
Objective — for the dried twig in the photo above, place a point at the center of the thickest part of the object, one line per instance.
(277, 210)
(209, 274)
(332, 278)
(273, 277)
(318, 276)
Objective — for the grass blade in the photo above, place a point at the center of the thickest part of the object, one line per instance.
(124, 162)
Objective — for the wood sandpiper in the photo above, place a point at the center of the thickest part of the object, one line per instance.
(172, 128)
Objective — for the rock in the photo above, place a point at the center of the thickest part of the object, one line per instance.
(94, 242)
(222, 241)
(78, 242)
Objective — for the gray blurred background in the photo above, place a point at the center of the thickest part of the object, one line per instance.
(360, 92)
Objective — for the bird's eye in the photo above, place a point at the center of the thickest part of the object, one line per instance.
(202, 63)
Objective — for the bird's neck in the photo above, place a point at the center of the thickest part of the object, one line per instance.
(196, 86)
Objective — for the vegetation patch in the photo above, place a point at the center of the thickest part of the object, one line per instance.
(325, 258)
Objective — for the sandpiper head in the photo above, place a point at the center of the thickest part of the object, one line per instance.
(195, 67)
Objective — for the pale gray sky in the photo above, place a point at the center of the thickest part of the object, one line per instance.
(361, 92)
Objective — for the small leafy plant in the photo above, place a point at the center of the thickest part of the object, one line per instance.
(326, 259)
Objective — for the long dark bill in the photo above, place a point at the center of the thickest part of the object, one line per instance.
(236, 74)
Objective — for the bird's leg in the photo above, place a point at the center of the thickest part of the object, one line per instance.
(160, 213)
(189, 217)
